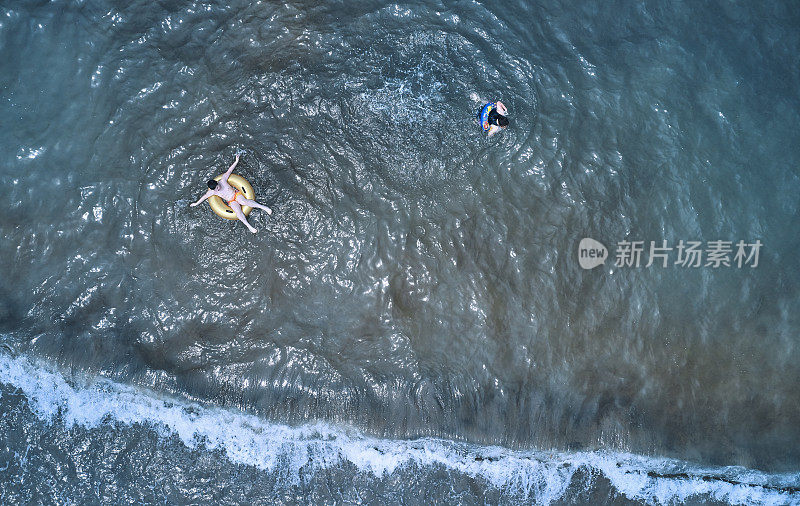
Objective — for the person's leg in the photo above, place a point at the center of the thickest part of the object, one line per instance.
(252, 203)
(239, 214)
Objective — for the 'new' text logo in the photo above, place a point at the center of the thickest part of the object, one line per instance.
(591, 253)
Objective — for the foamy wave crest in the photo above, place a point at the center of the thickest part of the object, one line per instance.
(292, 451)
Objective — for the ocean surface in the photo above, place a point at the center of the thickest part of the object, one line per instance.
(412, 325)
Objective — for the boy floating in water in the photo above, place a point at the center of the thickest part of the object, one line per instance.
(492, 117)
(232, 196)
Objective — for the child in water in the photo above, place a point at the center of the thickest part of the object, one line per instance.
(492, 116)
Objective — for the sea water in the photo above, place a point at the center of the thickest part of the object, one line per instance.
(413, 323)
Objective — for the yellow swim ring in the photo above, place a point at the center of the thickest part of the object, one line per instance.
(221, 208)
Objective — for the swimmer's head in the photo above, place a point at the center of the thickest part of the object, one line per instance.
(212, 184)
(502, 121)
(502, 109)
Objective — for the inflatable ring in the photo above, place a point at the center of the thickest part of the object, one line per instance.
(483, 116)
(221, 208)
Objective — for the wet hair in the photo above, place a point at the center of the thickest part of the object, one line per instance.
(212, 184)
(502, 121)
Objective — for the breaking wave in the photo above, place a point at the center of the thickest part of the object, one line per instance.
(292, 452)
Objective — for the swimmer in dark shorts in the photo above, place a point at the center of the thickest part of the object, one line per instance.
(492, 117)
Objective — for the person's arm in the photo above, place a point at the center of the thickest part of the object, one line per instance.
(209, 193)
(230, 170)
(493, 130)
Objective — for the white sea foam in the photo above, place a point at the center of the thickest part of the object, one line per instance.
(288, 451)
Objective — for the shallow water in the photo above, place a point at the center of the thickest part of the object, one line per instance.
(417, 281)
